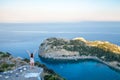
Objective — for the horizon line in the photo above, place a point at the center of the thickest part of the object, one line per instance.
(52, 22)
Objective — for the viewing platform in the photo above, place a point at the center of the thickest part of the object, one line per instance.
(23, 73)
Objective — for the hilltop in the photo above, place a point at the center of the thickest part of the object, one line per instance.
(14, 68)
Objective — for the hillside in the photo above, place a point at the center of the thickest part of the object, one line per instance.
(105, 45)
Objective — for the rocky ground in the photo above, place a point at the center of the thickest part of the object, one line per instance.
(22, 73)
(12, 68)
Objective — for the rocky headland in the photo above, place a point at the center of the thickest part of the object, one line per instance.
(79, 48)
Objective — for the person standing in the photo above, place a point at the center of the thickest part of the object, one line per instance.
(31, 55)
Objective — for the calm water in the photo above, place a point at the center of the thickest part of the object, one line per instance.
(17, 38)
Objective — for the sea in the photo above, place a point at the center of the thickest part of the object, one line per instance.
(16, 38)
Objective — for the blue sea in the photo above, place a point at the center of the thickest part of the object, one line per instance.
(16, 38)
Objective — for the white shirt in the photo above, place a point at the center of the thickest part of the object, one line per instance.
(32, 60)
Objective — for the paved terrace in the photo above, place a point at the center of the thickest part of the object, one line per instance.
(23, 73)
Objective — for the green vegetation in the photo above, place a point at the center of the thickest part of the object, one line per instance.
(5, 66)
(118, 65)
(56, 42)
(106, 46)
(83, 49)
(3, 54)
(104, 51)
(26, 60)
(51, 77)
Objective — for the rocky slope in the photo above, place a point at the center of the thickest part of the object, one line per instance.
(10, 67)
(79, 48)
(8, 62)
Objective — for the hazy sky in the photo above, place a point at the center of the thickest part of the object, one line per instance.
(59, 10)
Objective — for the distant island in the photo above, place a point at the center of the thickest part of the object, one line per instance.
(78, 49)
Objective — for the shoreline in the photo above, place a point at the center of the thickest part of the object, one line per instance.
(78, 59)
(78, 49)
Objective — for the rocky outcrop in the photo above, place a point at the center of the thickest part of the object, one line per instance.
(12, 68)
(79, 48)
(8, 62)
(57, 47)
(53, 47)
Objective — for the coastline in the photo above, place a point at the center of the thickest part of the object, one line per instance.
(77, 49)
(76, 59)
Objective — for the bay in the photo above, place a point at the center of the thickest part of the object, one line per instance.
(17, 38)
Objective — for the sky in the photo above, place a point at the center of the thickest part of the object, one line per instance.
(28, 11)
